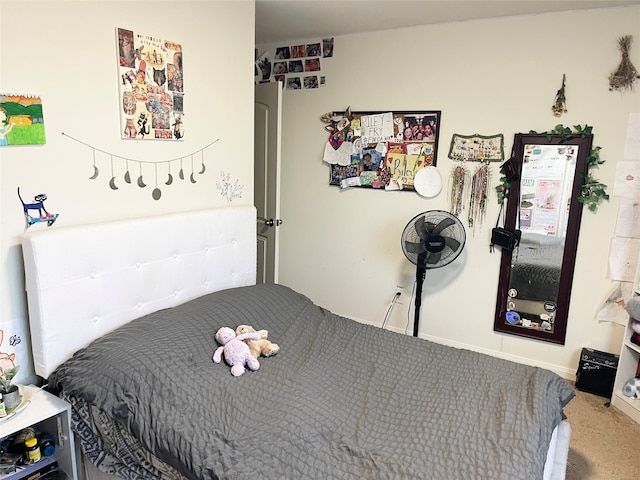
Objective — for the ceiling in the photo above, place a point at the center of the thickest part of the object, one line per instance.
(280, 20)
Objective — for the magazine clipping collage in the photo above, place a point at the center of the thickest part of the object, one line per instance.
(298, 67)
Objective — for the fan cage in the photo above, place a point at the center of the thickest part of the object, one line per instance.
(433, 218)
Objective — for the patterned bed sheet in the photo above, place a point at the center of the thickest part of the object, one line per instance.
(111, 448)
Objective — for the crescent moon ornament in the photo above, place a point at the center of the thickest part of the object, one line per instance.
(127, 175)
(112, 182)
(192, 178)
(169, 180)
(95, 173)
(156, 194)
(202, 170)
(141, 184)
(181, 174)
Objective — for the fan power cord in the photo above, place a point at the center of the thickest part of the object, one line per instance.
(413, 292)
(391, 305)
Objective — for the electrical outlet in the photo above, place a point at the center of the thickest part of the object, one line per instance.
(400, 295)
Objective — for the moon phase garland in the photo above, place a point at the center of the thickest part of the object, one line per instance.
(156, 193)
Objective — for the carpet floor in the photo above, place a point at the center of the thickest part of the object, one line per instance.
(605, 443)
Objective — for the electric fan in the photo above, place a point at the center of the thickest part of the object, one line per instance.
(431, 239)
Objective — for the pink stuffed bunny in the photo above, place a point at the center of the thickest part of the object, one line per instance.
(236, 352)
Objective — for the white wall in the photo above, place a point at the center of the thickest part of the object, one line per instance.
(66, 53)
(342, 248)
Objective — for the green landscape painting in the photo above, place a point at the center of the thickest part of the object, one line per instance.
(21, 120)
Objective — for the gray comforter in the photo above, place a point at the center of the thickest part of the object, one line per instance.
(341, 400)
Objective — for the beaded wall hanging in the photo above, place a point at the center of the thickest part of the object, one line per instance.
(478, 196)
(459, 177)
(471, 190)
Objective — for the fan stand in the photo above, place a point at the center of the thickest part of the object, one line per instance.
(421, 272)
(423, 242)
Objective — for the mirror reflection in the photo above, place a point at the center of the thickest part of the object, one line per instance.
(546, 181)
(535, 278)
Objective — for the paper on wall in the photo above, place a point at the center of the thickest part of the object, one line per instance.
(623, 259)
(341, 156)
(627, 180)
(612, 308)
(377, 128)
(628, 223)
(632, 145)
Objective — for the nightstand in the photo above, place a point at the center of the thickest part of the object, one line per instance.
(45, 413)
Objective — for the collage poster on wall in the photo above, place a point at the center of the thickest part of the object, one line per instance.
(151, 87)
(298, 67)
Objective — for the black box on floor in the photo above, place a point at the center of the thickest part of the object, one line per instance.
(596, 372)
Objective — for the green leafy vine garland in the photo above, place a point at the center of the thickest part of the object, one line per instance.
(592, 191)
(502, 190)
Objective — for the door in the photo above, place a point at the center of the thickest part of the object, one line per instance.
(266, 193)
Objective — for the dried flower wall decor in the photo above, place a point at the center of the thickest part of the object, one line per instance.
(626, 74)
(560, 105)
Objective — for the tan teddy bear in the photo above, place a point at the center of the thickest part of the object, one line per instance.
(258, 347)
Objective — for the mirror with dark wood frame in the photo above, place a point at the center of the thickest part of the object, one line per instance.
(535, 281)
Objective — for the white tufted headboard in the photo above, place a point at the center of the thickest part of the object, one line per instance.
(84, 281)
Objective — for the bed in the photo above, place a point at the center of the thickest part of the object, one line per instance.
(123, 317)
